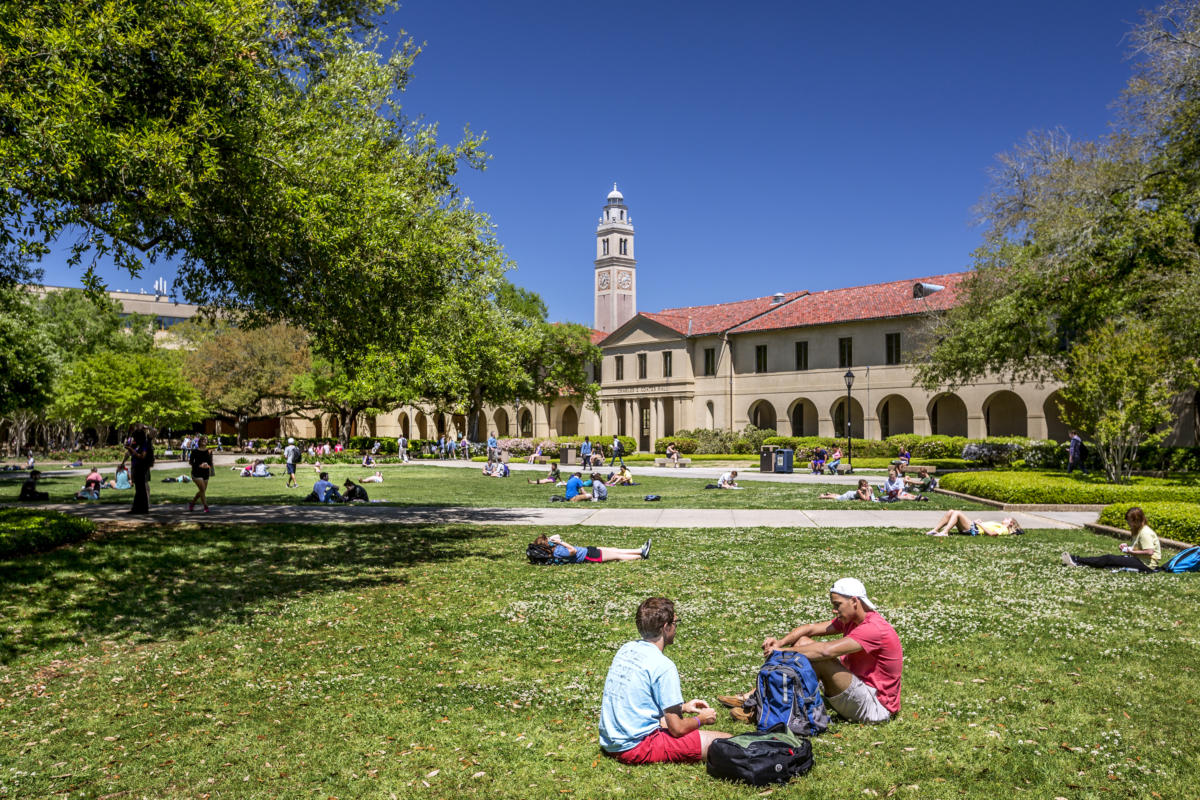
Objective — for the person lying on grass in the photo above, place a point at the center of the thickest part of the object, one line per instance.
(728, 480)
(863, 492)
(641, 712)
(1143, 554)
(592, 555)
(622, 477)
(860, 672)
(551, 477)
(376, 478)
(958, 522)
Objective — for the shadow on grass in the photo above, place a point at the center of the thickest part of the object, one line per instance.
(149, 584)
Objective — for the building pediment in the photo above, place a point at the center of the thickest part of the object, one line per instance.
(640, 331)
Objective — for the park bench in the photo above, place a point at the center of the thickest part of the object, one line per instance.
(666, 462)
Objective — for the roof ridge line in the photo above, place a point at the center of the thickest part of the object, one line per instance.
(802, 293)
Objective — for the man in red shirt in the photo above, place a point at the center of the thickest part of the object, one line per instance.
(860, 672)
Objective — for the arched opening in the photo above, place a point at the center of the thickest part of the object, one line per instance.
(318, 428)
(403, 424)
(804, 417)
(440, 424)
(838, 412)
(481, 427)
(762, 415)
(1056, 427)
(569, 424)
(526, 423)
(895, 416)
(948, 416)
(422, 425)
(500, 421)
(1004, 414)
(710, 418)
(459, 421)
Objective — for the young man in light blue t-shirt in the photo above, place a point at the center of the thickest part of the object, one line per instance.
(641, 715)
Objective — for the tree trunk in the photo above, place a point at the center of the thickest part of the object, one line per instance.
(473, 410)
(242, 422)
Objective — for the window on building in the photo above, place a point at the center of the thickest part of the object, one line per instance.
(760, 358)
(892, 342)
(710, 361)
(604, 246)
(666, 365)
(846, 352)
(596, 373)
(641, 366)
(620, 367)
(624, 244)
(801, 355)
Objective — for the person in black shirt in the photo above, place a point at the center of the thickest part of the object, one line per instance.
(202, 466)
(354, 492)
(140, 452)
(29, 490)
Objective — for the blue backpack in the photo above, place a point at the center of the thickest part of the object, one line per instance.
(1184, 561)
(789, 693)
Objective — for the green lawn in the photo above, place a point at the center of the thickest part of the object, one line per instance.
(423, 486)
(346, 662)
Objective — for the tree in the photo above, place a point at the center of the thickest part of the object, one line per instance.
(245, 374)
(347, 391)
(557, 363)
(260, 144)
(28, 358)
(111, 390)
(1119, 388)
(82, 325)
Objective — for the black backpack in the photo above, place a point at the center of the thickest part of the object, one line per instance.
(542, 554)
(758, 759)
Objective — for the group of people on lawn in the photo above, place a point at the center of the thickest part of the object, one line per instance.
(895, 488)
(644, 718)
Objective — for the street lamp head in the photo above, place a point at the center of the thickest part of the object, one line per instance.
(849, 377)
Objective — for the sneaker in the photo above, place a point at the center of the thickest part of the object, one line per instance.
(646, 549)
(732, 700)
(191, 506)
(1067, 560)
(206, 509)
(742, 715)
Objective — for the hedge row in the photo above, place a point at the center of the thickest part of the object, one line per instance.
(33, 530)
(1030, 487)
(1179, 521)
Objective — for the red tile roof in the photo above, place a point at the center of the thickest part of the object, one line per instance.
(701, 320)
(598, 336)
(877, 301)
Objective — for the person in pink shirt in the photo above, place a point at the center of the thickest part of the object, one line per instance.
(859, 672)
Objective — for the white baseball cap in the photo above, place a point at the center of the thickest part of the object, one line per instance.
(853, 587)
(291, 440)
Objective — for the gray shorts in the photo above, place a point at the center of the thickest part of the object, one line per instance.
(859, 703)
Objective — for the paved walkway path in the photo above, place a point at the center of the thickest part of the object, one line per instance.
(582, 514)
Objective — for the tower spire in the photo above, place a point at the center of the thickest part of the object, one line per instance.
(615, 266)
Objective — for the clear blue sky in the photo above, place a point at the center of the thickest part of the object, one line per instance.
(761, 146)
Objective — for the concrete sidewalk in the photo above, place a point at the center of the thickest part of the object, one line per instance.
(566, 515)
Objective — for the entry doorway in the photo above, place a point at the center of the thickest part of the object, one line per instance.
(644, 426)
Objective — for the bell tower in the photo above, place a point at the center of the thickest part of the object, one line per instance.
(616, 268)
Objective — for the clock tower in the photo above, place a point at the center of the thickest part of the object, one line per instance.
(616, 268)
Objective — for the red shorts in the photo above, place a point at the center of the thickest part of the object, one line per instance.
(661, 746)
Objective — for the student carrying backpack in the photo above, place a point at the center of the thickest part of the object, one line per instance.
(788, 693)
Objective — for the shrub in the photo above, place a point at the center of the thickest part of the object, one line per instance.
(751, 439)
(711, 441)
(1171, 520)
(1027, 487)
(806, 446)
(684, 445)
(1045, 455)
(33, 530)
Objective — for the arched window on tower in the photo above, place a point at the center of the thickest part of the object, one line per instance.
(624, 246)
(604, 246)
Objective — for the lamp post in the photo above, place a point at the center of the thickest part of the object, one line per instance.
(849, 378)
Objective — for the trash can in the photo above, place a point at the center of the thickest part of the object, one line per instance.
(766, 459)
(505, 456)
(567, 455)
(783, 459)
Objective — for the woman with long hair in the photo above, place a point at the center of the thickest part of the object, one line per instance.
(140, 451)
(1142, 554)
(202, 466)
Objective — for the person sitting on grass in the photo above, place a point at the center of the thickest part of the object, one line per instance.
(368, 459)
(591, 555)
(575, 492)
(817, 465)
(122, 478)
(835, 461)
(1143, 554)
(599, 490)
(673, 454)
(494, 469)
(642, 709)
(552, 477)
(622, 477)
(893, 487)
(860, 672)
(958, 522)
(376, 478)
(29, 490)
(324, 491)
(92, 484)
(728, 480)
(923, 483)
(354, 493)
(863, 492)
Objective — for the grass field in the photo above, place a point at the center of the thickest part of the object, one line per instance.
(432, 662)
(450, 486)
